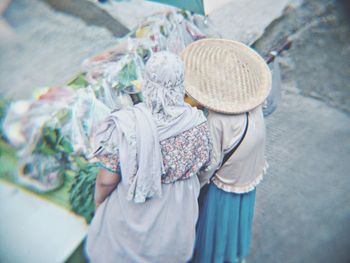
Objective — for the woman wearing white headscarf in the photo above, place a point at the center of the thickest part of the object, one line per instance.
(147, 191)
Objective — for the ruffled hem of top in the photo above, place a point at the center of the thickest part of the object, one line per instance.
(242, 188)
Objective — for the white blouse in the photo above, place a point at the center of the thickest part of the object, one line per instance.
(246, 167)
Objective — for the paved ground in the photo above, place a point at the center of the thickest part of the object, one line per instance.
(303, 208)
(48, 50)
(319, 60)
(240, 19)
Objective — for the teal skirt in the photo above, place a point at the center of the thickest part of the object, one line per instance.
(224, 226)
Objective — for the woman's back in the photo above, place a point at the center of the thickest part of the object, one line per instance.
(156, 148)
(164, 226)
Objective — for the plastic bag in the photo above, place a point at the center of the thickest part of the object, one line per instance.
(25, 118)
(117, 77)
(35, 130)
(87, 112)
(43, 163)
(272, 101)
(12, 122)
(40, 172)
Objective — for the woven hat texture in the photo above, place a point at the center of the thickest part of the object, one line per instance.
(225, 76)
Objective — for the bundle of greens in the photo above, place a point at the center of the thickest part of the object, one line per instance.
(78, 82)
(81, 193)
(8, 160)
(4, 104)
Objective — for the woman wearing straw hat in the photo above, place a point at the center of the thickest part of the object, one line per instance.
(231, 81)
(147, 191)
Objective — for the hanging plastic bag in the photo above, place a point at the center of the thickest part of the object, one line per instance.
(43, 163)
(87, 112)
(274, 98)
(12, 122)
(25, 118)
(40, 172)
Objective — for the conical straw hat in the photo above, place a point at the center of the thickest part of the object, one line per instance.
(225, 76)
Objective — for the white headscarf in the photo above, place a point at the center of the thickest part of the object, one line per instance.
(139, 129)
(163, 86)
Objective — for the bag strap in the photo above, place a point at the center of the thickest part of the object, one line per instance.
(230, 153)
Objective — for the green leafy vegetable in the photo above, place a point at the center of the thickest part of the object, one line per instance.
(78, 82)
(4, 104)
(8, 160)
(127, 74)
(81, 194)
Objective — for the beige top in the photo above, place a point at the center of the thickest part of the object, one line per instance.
(246, 167)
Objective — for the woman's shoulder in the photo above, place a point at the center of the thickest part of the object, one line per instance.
(191, 139)
(186, 153)
(201, 129)
(219, 120)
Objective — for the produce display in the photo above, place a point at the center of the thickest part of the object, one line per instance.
(45, 142)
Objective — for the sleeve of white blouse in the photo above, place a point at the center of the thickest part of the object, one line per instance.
(216, 154)
(226, 132)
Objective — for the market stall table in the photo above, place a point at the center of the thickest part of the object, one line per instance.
(35, 230)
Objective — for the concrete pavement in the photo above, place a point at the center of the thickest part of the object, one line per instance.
(48, 49)
(303, 208)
